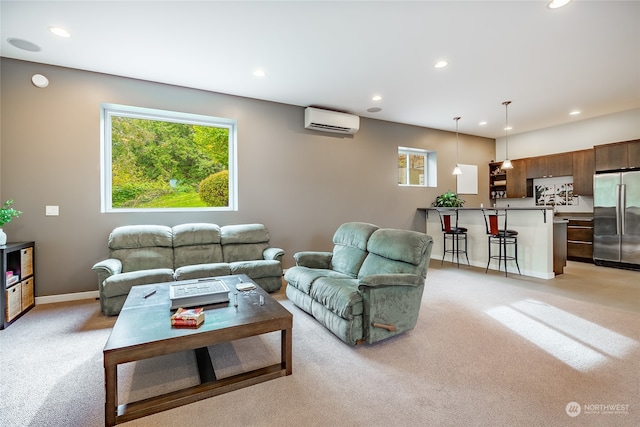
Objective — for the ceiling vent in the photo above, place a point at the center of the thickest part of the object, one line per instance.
(330, 121)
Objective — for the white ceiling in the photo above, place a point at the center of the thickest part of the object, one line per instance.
(337, 55)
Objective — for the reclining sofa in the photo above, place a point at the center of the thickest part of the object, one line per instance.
(369, 287)
(145, 254)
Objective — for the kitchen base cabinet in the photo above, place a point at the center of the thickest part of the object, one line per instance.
(580, 240)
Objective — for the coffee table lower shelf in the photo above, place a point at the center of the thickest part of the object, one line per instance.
(142, 408)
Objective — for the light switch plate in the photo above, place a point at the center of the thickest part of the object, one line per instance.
(52, 210)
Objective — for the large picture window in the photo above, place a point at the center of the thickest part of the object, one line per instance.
(164, 160)
(416, 167)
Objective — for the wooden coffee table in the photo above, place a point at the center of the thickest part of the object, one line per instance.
(143, 330)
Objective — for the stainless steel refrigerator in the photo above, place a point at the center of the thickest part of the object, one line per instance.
(616, 219)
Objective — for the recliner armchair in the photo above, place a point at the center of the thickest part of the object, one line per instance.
(369, 287)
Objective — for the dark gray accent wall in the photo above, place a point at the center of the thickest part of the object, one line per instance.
(301, 184)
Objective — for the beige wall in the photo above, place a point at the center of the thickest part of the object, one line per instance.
(301, 184)
(577, 135)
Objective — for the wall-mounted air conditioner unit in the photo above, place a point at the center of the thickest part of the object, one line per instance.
(330, 121)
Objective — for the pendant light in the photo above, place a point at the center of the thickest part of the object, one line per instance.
(507, 163)
(457, 170)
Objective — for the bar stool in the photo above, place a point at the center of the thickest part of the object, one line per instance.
(454, 233)
(495, 221)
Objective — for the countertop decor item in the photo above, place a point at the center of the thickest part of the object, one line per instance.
(448, 200)
(7, 213)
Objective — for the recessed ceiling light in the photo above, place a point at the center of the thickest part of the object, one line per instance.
(40, 81)
(508, 128)
(482, 123)
(374, 109)
(441, 64)
(259, 73)
(574, 113)
(376, 98)
(24, 45)
(60, 32)
(557, 4)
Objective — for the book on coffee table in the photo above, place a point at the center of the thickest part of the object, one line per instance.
(188, 317)
(198, 293)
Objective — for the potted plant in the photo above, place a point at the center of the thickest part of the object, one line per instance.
(448, 200)
(7, 213)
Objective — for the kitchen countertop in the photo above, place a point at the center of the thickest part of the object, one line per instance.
(587, 216)
(534, 208)
(543, 209)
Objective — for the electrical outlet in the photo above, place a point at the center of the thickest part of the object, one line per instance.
(51, 210)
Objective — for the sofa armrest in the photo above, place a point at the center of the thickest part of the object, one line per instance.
(273, 254)
(391, 304)
(313, 259)
(380, 280)
(108, 267)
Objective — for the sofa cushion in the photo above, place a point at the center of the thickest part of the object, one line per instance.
(257, 269)
(338, 295)
(140, 236)
(243, 242)
(199, 254)
(350, 248)
(244, 233)
(396, 251)
(142, 247)
(200, 271)
(196, 243)
(144, 258)
(243, 252)
(121, 284)
(302, 278)
(193, 234)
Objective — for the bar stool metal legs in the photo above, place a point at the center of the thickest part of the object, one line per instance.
(454, 234)
(456, 238)
(500, 235)
(503, 242)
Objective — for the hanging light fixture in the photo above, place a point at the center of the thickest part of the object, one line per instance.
(507, 163)
(457, 170)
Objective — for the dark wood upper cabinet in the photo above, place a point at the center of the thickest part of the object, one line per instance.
(560, 164)
(619, 155)
(517, 179)
(551, 165)
(583, 170)
(537, 167)
(581, 164)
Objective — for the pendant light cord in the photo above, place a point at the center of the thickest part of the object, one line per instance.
(457, 149)
(506, 127)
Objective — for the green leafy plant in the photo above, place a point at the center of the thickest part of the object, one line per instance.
(7, 213)
(448, 200)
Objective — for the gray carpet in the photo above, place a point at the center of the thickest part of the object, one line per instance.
(487, 351)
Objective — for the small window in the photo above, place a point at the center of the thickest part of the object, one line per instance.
(416, 167)
(156, 160)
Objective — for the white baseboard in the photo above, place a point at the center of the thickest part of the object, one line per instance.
(67, 297)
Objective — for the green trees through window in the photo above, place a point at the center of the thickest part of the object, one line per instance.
(165, 160)
(416, 167)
